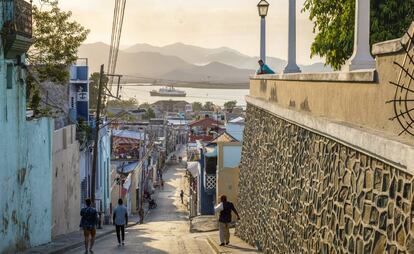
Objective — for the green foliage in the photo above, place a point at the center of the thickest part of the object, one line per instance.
(208, 106)
(197, 106)
(56, 40)
(334, 25)
(230, 104)
(94, 89)
(124, 104)
(145, 105)
(84, 132)
(148, 114)
(126, 117)
(55, 44)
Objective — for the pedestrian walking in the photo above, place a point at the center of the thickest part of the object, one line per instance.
(120, 220)
(182, 196)
(89, 219)
(225, 208)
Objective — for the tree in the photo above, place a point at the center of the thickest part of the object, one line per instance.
(94, 88)
(124, 104)
(145, 105)
(148, 114)
(230, 105)
(197, 106)
(56, 40)
(208, 106)
(334, 25)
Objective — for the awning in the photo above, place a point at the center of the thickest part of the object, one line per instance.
(193, 167)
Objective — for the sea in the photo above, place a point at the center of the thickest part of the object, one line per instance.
(141, 92)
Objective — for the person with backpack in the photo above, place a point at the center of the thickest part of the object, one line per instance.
(225, 208)
(120, 220)
(88, 224)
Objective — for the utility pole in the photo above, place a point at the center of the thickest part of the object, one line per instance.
(96, 138)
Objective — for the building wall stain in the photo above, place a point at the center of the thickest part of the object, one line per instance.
(305, 105)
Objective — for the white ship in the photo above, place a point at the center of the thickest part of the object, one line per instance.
(168, 91)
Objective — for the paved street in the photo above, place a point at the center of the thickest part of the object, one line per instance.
(166, 228)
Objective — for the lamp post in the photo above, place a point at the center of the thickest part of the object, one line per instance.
(291, 66)
(361, 57)
(263, 7)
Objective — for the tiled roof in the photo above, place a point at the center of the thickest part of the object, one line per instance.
(223, 138)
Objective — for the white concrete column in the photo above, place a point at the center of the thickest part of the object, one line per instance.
(263, 39)
(291, 66)
(361, 58)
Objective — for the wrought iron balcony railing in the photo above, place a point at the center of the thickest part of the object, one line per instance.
(17, 18)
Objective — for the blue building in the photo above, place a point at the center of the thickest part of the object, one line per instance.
(79, 91)
(25, 144)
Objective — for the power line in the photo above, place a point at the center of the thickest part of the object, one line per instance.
(117, 24)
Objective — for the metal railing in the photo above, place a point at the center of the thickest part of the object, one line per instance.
(17, 17)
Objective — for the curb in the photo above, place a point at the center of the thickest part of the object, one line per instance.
(78, 244)
(213, 246)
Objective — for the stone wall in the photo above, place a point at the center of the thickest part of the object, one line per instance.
(301, 192)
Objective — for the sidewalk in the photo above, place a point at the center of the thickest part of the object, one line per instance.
(236, 244)
(73, 240)
(203, 223)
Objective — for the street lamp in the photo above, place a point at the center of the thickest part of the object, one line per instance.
(263, 7)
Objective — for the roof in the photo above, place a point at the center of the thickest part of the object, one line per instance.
(177, 121)
(237, 120)
(205, 122)
(224, 138)
(128, 134)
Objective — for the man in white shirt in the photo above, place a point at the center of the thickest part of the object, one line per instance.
(120, 220)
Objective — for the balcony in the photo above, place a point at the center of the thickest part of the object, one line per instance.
(17, 27)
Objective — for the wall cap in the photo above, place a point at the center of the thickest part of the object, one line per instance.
(396, 152)
(392, 46)
(360, 76)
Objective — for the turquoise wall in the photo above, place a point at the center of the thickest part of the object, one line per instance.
(25, 171)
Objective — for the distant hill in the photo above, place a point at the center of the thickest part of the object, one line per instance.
(189, 53)
(183, 62)
(213, 72)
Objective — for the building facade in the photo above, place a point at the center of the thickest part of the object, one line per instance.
(25, 144)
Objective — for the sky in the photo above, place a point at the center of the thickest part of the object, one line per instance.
(206, 23)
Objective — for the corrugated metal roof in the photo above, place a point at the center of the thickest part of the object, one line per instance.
(128, 134)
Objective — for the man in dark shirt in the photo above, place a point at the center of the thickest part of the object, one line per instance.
(88, 224)
(225, 219)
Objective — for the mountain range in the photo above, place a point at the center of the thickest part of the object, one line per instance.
(181, 62)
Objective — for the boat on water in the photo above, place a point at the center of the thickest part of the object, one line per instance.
(168, 91)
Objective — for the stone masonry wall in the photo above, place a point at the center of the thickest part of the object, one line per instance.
(301, 192)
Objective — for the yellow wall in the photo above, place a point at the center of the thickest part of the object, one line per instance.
(227, 178)
(358, 103)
